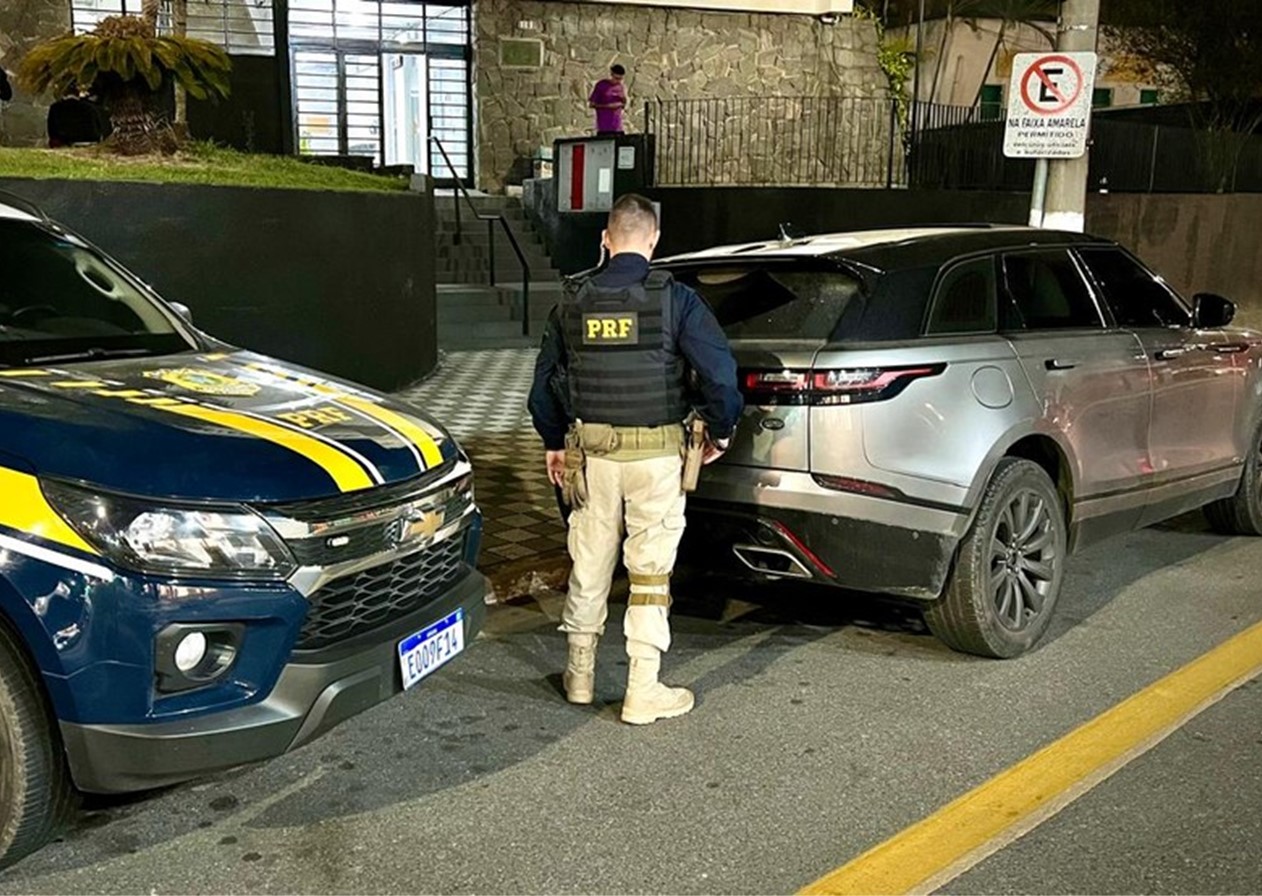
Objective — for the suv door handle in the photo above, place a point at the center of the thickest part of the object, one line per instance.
(1169, 354)
(1232, 348)
(1060, 364)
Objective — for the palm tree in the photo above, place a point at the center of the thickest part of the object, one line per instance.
(127, 64)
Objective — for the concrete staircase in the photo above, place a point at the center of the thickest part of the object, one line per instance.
(473, 314)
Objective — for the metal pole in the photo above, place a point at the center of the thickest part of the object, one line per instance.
(1038, 198)
(1067, 178)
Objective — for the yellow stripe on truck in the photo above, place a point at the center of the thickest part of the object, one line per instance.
(25, 509)
(410, 430)
(344, 470)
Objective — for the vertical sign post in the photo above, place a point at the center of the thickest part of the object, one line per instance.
(1049, 113)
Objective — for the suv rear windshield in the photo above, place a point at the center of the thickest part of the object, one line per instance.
(774, 301)
(62, 301)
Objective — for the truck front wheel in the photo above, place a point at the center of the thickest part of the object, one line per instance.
(35, 789)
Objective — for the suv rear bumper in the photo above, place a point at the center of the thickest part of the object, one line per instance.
(781, 524)
(316, 691)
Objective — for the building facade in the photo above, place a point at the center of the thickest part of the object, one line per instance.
(496, 81)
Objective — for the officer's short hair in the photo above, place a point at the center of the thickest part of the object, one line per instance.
(617, 70)
(632, 215)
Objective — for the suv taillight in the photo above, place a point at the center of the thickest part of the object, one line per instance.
(848, 385)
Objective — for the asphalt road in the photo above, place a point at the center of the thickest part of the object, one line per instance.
(825, 724)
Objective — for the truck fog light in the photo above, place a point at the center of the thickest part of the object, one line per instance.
(190, 652)
(190, 656)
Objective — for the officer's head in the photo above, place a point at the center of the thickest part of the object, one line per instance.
(632, 227)
(617, 73)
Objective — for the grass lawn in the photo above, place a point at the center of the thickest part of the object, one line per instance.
(200, 163)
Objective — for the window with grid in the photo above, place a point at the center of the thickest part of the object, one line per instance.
(242, 27)
(449, 116)
(391, 24)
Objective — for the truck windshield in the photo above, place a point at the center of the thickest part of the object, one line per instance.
(764, 301)
(62, 301)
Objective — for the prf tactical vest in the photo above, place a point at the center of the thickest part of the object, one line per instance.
(624, 366)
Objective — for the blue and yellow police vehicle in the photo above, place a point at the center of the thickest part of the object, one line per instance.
(207, 557)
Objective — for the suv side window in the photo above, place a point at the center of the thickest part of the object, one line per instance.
(1136, 296)
(1045, 291)
(965, 299)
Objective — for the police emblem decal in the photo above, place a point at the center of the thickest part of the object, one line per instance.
(204, 382)
(622, 328)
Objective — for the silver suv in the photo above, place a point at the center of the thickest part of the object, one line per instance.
(946, 414)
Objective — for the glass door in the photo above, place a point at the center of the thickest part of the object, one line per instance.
(406, 79)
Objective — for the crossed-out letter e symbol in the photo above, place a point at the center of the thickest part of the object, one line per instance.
(1045, 83)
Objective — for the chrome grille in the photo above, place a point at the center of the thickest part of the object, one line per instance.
(366, 540)
(375, 597)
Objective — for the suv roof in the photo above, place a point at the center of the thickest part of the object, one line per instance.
(893, 249)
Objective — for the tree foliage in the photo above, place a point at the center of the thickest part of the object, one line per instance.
(1208, 51)
(1211, 48)
(79, 61)
(127, 64)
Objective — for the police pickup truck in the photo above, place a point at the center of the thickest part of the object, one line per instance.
(207, 557)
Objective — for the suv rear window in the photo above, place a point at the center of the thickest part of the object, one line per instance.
(774, 302)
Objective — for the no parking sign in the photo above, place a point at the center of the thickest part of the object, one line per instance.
(1049, 105)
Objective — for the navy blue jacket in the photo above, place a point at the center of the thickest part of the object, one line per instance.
(699, 338)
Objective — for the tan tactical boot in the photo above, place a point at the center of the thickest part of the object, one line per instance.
(580, 669)
(647, 699)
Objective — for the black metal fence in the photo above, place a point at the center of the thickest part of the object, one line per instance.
(962, 148)
(776, 141)
(861, 142)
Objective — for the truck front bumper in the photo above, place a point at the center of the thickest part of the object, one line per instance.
(316, 691)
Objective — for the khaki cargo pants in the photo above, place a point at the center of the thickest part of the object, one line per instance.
(634, 487)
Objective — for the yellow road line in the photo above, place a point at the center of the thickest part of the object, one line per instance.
(933, 852)
(344, 470)
(413, 432)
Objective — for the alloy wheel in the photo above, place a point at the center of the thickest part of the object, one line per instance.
(1023, 560)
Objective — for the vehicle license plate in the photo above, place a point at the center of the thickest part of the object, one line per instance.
(423, 652)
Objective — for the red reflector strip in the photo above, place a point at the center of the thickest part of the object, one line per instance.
(857, 486)
(805, 551)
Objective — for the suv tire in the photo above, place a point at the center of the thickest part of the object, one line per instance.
(1007, 577)
(35, 789)
(1241, 514)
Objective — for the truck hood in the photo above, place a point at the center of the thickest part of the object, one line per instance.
(225, 427)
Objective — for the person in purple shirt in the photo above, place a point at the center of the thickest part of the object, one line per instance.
(609, 98)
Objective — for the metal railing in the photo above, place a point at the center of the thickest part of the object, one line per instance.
(776, 141)
(462, 193)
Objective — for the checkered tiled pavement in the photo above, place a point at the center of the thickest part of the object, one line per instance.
(480, 396)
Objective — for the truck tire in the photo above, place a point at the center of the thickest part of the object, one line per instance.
(35, 788)
(1241, 514)
(1007, 577)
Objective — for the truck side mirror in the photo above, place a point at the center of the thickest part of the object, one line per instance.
(1209, 311)
(185, 313)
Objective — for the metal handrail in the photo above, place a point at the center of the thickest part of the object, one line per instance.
(490, 229)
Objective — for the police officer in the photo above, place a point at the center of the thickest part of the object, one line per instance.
(622, 339)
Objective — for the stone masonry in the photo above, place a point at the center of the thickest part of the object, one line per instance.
(679, 54)
(24, 23)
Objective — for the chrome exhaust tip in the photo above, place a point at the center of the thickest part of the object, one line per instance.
(771, 562)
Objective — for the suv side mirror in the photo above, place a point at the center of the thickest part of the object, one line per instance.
(1209, 311)
(183, 311)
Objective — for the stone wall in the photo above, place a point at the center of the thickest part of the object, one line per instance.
(669, 54)
(24, 23)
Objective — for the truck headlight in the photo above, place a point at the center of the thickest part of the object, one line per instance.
(217, 542)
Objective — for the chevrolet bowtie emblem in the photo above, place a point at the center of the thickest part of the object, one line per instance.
(424, 526)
